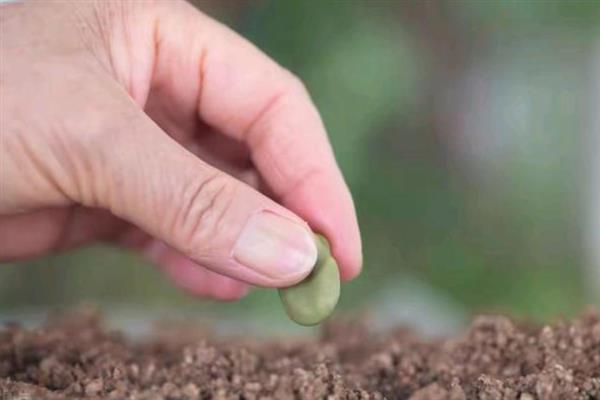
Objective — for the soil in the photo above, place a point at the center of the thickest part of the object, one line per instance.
(495, 358)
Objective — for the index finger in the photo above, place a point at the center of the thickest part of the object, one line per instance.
(242, 93)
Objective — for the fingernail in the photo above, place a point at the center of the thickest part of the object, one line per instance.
(276, 246)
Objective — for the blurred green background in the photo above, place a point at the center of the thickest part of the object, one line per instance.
(461, 129)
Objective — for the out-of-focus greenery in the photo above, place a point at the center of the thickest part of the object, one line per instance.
(486, 210)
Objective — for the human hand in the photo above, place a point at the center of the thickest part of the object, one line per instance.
(138, 122)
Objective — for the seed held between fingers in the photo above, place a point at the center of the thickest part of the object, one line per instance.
(314, 299)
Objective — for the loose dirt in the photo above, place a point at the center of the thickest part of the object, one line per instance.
(76, 357)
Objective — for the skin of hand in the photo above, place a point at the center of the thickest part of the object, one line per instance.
(150, 125)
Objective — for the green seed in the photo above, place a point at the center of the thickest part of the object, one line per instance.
(312, 300)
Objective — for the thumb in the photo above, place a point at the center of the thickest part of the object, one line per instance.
(219, 222)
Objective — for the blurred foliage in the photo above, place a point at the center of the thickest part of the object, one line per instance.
(495, 227)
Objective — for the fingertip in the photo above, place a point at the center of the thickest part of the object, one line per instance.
(201, 282)
(351, 270)
(330, 210)
(349, 258)
(348, 254)
(227, 289)
(353, 262)
(195, 279)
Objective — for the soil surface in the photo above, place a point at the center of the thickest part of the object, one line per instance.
(76, 357)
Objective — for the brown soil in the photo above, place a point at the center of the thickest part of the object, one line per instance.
(494, 359)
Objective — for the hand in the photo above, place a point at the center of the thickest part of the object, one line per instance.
(139, 122)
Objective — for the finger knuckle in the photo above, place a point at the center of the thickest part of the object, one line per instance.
(289, 90)
(204, 206)
(98, 143)
(294, 85)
